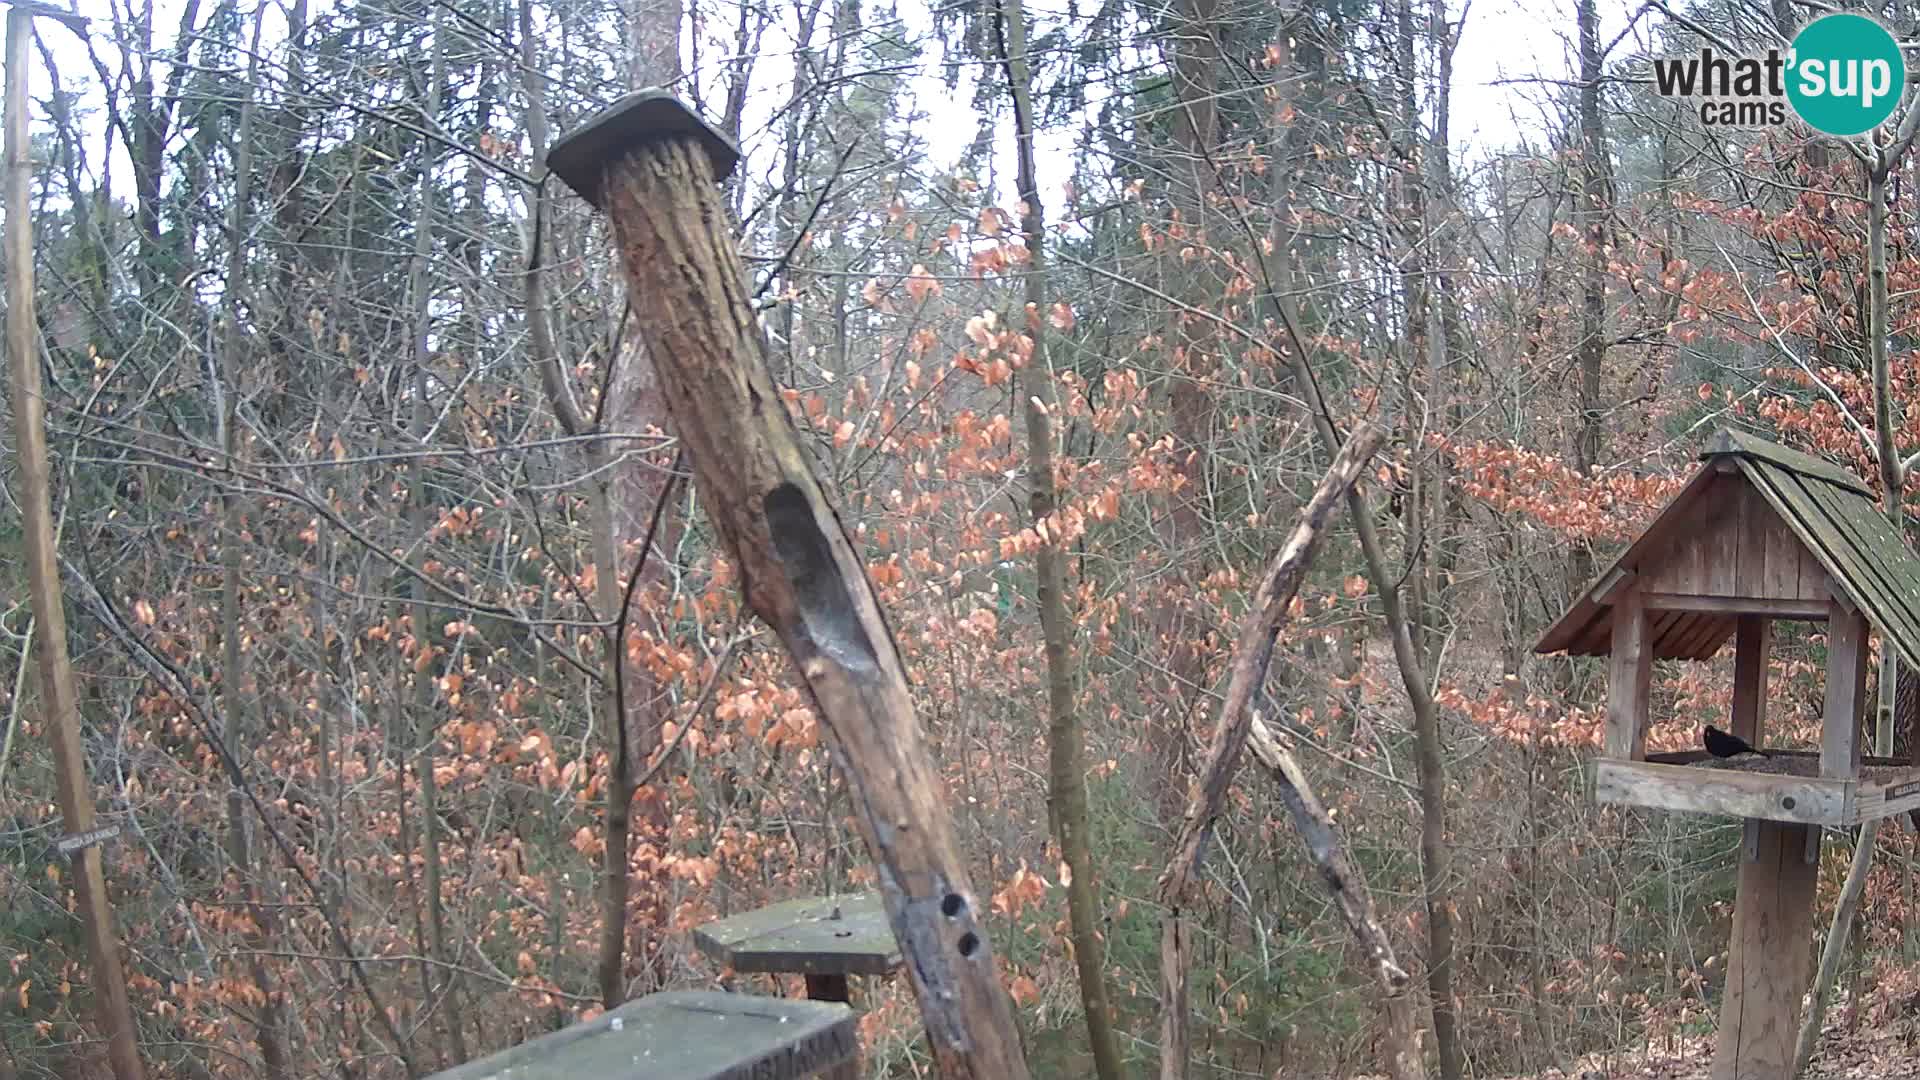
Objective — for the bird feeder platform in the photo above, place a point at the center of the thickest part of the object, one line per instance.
(1786, 786)
(825, 939)
(684, 1035)
(1760, 533)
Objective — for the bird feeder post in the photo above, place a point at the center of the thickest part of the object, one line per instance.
(1770, 953)
(654, 167)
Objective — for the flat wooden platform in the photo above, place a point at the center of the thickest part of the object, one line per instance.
(842, 935)
(683, 1035)
(1784, 787)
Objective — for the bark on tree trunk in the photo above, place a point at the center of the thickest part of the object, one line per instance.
(1066, 773)
(269, 1033)
(798, 564)
(59, 699)
(1590, 426)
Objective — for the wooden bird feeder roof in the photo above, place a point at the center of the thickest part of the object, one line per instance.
(1760, 530)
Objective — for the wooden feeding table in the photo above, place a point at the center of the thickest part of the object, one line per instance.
(684, 1035)
(1760, 533)
(824, 939)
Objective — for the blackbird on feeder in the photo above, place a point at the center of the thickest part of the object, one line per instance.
(1723, 744)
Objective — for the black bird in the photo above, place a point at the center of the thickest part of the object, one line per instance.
(1723, 744)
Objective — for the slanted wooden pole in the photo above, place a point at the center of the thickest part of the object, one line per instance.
(653, 166)
(59, 700)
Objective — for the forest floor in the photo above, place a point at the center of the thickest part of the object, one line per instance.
(1868, 1052)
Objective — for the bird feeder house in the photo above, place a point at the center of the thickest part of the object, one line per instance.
(1760, 533)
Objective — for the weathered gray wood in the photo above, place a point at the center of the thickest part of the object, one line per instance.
(1729, 441)
(683, 1035)
(1753, 644)
(1629, 680)
(1783, 557)
(843, 935)
(1895, 796)
(1725, 792)
(1790, 608)
(1753, 519)
(1846, 695)
(1770, 956)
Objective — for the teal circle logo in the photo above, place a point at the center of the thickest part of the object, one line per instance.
(1846, 75)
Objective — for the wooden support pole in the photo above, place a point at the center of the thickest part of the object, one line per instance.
(59, 700)
(653, 166)
(1753, 645)
(1770, 956)
(835, 988)
(1629, 679)
(1840, 742)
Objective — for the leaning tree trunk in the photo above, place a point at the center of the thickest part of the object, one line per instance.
(653, 166)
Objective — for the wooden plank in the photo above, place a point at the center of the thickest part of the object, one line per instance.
(1629, 680)
(843, 935)
(1880, 570)
(1687, 757)
(1770, 957)
(1753, 644)
(1784, 554)
(1576, 622)
(1811, 523)
(1750, 569)
(1718, 540)
(1790, 608)
(1710, 646)
(1704, 638)
(1897, 796)
(1886, 555)
(1723, 792)
(1846, 694)
(1608, 587)
(1728, 441)
(683, 1035)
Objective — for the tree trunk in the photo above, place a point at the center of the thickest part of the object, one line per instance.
(801, 571)
(1591, 212)
(59, 698)
(1066, 775)
(269, 1026)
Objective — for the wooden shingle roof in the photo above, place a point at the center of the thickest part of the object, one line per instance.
(1833, 518)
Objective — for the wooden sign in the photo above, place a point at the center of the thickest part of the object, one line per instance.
(1901, 791)
(74, 842)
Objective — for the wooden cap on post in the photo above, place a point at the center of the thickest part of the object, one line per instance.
(581, 156)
